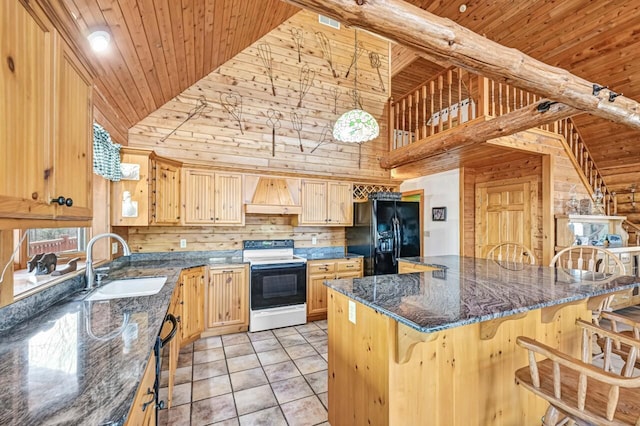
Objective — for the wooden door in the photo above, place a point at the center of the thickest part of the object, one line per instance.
(198, 207)
(227, 297)
(340, 203)
(503, 213)
(73, 146)
(165, 193)
(138, 190)
(26, 105)
(228, 199)
(314, 203)
(192, 281)
(317, 296)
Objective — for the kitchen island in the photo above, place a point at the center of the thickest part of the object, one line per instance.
(438, 347)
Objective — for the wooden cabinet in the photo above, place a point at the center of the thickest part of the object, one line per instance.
(143, 410)
(192, 282)
(227, 300)
(318, 271)
(45, 119)
(212, 198)
(326, 203)
(175, 309)
(409, 267)
(149, 194)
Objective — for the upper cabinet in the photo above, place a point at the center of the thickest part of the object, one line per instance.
(326, 203)
(149, 192)
(212, 198)
(45, 120)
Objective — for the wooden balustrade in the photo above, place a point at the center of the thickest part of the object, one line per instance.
(64, 243)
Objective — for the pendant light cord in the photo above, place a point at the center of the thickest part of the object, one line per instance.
(355, 75)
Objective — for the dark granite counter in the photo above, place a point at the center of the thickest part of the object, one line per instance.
(80, 362)
(471, 290)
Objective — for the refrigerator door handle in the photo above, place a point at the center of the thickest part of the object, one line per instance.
(396, 240)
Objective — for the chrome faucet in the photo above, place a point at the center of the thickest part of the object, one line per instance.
(90, 274)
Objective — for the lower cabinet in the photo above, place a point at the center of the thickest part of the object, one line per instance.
(143, 410)
(192, 283)
(409, 267)
(227, 300)
(175, 309)
(318, 271)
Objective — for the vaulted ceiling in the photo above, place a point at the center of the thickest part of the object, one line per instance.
(161, 47)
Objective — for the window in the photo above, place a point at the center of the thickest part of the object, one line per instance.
(56, 240)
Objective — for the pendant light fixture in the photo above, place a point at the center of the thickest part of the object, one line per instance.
(356, 125)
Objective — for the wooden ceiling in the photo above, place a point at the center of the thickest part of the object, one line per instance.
(161, 47)
(596, 40)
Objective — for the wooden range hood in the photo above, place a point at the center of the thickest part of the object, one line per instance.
(272, 195)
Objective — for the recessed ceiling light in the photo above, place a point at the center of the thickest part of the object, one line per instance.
(99, 40)
(462, 8)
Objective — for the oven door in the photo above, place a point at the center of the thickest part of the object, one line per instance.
(278, 285)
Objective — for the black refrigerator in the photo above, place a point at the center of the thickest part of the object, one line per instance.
(382, 232)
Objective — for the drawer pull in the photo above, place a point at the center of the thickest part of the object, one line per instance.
(350, 266)
(151, 401)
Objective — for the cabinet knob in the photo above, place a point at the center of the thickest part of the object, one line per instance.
(61, 201)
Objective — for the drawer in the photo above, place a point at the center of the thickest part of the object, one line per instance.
(348, 266)
(320, 268)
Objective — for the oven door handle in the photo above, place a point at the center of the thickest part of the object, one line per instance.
(277, 266)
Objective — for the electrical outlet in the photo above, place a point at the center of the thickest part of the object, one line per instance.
(314, 240)
(352, 311)
(183, 243)
(114, 248)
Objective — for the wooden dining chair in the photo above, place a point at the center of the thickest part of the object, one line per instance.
(578, 390)
(512, 252)
(598, 263)
(621, 325)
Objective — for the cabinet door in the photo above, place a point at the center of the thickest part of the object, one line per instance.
(340, 203)
(314, 203)
(175, 308)
(228, 199)
(136, 212)
(165, 193)
(73, 147)
(227, 297)
(317, 296)
(193, 303)
(142, 412)
(26, 85)
(198, 197)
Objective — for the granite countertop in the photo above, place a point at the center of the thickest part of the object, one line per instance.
(471, 290)
(329, 256)
(80, 362)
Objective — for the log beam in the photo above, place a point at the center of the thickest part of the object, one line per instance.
(416, 28)
(477, 131)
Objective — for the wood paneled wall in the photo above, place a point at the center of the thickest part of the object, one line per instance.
(538, 143)
(257, 227)
(214, 136)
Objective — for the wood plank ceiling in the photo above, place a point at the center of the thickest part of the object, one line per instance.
(596, 40)
(161, 47)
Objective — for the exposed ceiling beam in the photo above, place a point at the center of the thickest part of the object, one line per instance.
(477, 132)
(411, 26)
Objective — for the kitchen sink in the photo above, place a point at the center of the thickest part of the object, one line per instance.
(129, 287)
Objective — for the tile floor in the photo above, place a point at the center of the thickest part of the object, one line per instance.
(276, 377)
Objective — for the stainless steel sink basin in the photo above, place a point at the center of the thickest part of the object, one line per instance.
(129, 287)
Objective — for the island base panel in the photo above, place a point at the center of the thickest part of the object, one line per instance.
(458, 378)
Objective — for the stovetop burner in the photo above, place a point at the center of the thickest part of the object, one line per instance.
(267, 252)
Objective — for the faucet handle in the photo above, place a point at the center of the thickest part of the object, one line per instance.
(100, 276)
(102, 268)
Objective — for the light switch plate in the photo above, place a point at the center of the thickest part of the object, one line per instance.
(352, 311)
(114, 248)
(183, 243)
(314, 240)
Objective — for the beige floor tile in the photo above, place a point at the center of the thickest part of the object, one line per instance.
(318, 381)
(290, 389)
(183, 375)
(260, 335)
(324, 398)
(208, 355)
(185, 360)
(266, 345)
(240, 363)
(233, 351)
(281, 371)
(305, 328)
(181, 394)
(315, 336)
(187, 349)
(176, 416)
(299, 351)
(248, 379)
(273, 357)
(292, 339)
(235, 339)
(322, 346)
(311, 364)
(207, 343)
(325, 357)
(323, 325)
(231, 422)
(213, 386)
(213, 410)
(286, 331)
(254, 399)
(209, 369)
(306, 411)
(269, 417)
